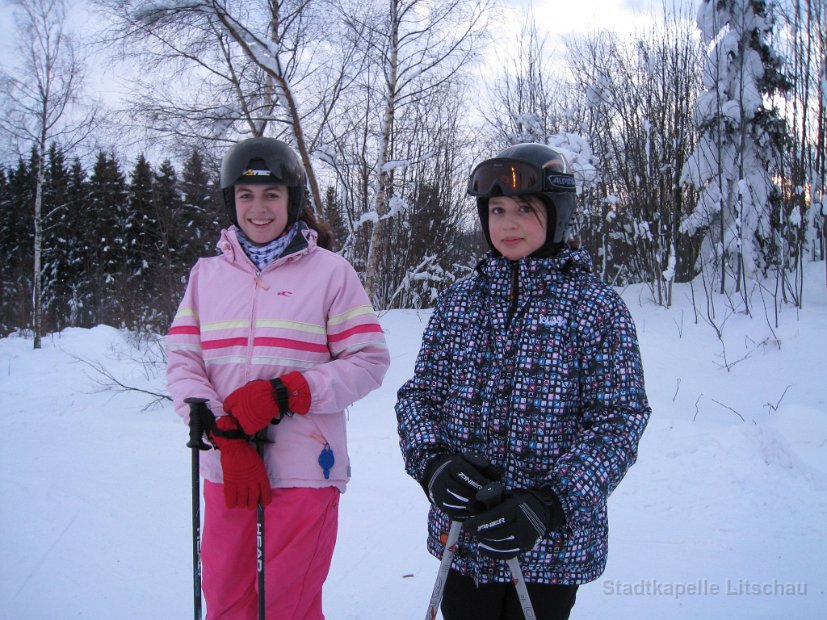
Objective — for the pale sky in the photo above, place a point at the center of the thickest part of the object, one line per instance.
(562, 17)
(556, 17)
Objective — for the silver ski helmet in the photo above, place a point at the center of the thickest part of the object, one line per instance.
(263, 160)
(527, 169)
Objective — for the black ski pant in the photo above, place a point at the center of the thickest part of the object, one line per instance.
(464, 600)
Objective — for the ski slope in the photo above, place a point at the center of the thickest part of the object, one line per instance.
(722, 516)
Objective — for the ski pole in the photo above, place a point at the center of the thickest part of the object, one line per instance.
(260, 440)
(444, 567)
(491, 495)
(197, 443)
(522, 591)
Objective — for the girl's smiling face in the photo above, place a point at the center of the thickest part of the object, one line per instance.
(517, 225)
(261, 211)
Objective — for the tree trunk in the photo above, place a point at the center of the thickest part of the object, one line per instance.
(374, 253)
(37, 282)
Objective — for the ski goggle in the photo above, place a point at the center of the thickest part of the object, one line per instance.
(514, 177)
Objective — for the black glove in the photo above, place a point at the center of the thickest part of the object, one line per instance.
(452, 482)
(515, 525)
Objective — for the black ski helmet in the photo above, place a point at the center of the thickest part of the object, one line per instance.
(527, 169)
(264, 160)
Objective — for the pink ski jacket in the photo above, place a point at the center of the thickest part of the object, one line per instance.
(306, 311)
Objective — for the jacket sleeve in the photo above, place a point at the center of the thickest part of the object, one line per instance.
(356, 343)
(614, 413)
(422, 435)
(186, 372)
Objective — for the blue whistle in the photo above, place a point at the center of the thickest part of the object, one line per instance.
(326, 460)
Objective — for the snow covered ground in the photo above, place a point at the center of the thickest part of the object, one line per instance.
(722, 516)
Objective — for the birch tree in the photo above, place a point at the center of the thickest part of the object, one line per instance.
(416, 49)
(41, 106)
(238, 68)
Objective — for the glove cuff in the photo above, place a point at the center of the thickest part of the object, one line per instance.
(282, 397)
(431, 467)
(297, 391)
(554, 509)
(227, 432)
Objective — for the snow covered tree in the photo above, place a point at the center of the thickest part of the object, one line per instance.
(639, 97)
(165, 248)
(16, 241)
(5, 246)
(332, 215)
(803, 171)
(629, 100)
(739, 143)
(76, 253)
(201, 217)
(108, 242)
(527, 101)
(141, 241)
(57, 241)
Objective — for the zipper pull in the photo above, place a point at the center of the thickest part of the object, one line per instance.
(260, 282)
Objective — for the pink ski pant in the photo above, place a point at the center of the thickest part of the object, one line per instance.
(300, 527)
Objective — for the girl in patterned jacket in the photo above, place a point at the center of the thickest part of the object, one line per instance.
(277, 334)
(529, 374)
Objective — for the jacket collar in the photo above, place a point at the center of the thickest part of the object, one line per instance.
(567, 260)
(534, 277)
(303, 243)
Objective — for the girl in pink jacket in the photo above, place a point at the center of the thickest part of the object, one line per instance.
(277, 334)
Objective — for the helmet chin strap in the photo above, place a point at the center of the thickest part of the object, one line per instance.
(549, 247)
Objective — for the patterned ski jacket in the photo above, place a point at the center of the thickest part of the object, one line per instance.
(306, 311)
(535, 365)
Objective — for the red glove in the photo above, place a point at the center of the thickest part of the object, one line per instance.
(245, 478)
(253, 405)
(298, 392)
(260, 402)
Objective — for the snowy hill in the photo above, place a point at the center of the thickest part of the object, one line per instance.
(722, 516)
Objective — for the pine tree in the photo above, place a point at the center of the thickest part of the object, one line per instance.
(202, 215)
(167, 246)
(5, 248)
(17, 242)
(77, 250)
(332, 216)
(142, 254)
(142, 210)
(108, 240)
(56, 242)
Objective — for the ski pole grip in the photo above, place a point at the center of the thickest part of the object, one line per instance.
(483, 465)
(199, 414)
(478, 461)
(491, 494)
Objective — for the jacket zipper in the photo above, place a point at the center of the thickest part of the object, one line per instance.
(251, 338)
(515, 293)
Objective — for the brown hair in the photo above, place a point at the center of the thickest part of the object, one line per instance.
(325, 238)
